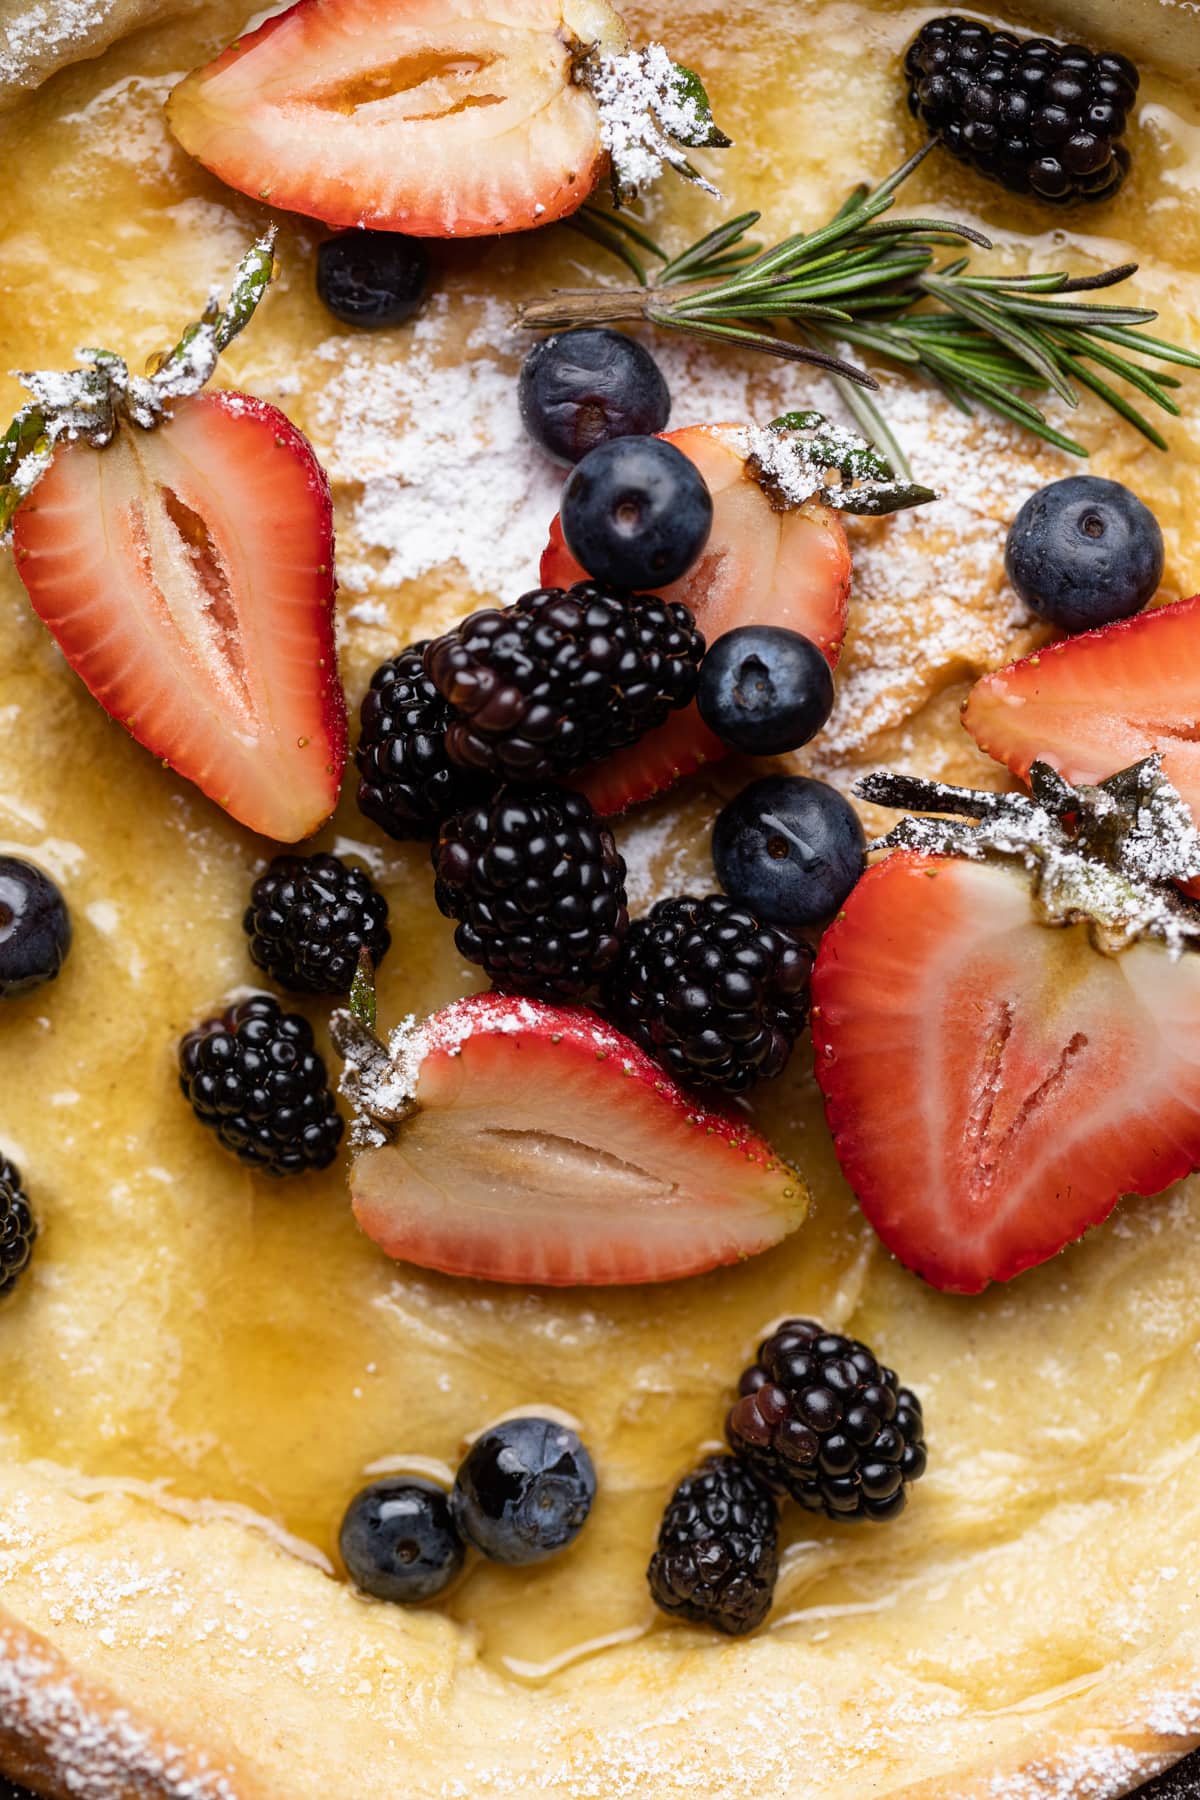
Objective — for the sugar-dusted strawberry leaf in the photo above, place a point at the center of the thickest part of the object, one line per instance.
(802, 456)
(1104, 856)
(649, 107)
(687, 115)
(89, 403)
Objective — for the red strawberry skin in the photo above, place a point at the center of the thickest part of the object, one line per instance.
(994, 1085)
(548, 1149)
(1094, 704)
(761, 567)
(424, 116)
(186, 574)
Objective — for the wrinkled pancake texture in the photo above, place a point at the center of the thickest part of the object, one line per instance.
(202, 1367)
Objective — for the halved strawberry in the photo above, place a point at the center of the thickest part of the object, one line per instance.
(186, 573)
(761, 567)
(542, 1146)
(1093, 704)
(441, 118)
(993, 1079)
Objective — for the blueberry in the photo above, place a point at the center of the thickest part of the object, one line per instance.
(35, 928)
(790, 849)
(764, 689)
(524, 1490)
(399, 1540)
(372, 278)
(1084, 552)
(583, 388)
(636, 513)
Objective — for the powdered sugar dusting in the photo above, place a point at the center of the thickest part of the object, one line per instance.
(930, 601)
(444, 472)
(97, 1750)
(39, 35)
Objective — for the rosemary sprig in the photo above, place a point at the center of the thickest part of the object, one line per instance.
(869, 282)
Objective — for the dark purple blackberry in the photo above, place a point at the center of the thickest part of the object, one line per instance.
(718, 1549)
(308, 918)
(408, 784)
(714, 996)
(254, 1077)
(17, 1227)
(1038, 117)
(820, 1419)
(538, 888)
(562, 678)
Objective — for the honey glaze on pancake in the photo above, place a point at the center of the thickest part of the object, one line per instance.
(191, 1333)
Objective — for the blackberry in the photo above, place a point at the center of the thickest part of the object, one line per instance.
(408, 784)
(254, 1077)
(820, 1419)
(714, 996)
(1036, 116)
(538, 887)
(718, 1549)
(308, 918)
(17, 1227)
(562, 678)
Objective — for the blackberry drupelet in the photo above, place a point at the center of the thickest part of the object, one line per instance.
(714, 996)
(17, 1227)
(821, 1420)
(562, 678)
(1036, 116)
(538, 887)
(308, 918)
(407, 783)
(718, 1549)
(255, 1079)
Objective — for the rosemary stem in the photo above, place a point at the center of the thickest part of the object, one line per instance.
(584, 306)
